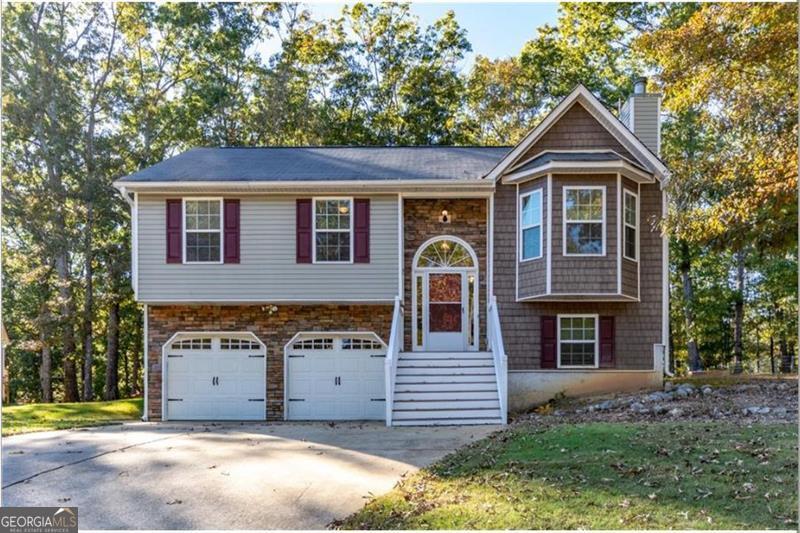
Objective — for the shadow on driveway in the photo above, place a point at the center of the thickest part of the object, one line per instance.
(218, 475)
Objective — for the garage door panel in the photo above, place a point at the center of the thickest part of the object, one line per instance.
(215, 384)
(312, 378)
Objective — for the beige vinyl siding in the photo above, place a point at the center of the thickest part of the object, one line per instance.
(645, 119)
(268, 271)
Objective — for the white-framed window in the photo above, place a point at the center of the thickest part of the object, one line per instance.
(202, 230)
(333, 230)
(193, 344)
(530, 225)
(585, 220)
(226, 343)
(319, 343)
(360, 344)
(578, 345)
(630, 207)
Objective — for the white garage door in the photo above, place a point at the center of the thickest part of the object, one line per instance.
(336, 378)
(215, 378)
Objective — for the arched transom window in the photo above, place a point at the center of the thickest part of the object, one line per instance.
(445, 253)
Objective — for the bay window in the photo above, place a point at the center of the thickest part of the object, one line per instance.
(631, 222)
(584, 220)
(530, 224)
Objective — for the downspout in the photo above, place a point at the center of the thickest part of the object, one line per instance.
(145, 368)
(665, 284)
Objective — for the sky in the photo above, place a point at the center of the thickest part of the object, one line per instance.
(494, 29)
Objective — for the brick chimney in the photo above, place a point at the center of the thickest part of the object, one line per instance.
(642, 115)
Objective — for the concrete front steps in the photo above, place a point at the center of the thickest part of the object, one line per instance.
(445, 389)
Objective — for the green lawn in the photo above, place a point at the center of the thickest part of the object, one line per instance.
(603, 476)
(47, 416)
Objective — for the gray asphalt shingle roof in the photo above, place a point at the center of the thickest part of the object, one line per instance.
(324, 164)
(582, 157)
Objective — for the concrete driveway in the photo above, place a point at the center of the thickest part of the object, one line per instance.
(218, 476)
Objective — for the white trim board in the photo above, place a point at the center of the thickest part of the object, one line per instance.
(267, 301)
(580, 167)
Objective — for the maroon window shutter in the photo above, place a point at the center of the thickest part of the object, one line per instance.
(548, 342)
(606, 342)
(231, 229)
(174, 230)
(361, 230)
(303, 230)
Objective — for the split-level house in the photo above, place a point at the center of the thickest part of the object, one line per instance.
(415, 285)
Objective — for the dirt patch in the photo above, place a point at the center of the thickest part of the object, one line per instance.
(754, 401)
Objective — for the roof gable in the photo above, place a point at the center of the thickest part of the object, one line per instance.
(577, 129)
(583, 113)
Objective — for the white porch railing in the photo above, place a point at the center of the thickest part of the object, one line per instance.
(392, 354)
(495, 335)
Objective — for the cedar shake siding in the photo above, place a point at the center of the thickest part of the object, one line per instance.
(532, 272)
(637, 325)
(275, 330)
(577, 129)
(266, 268)
(469, 223)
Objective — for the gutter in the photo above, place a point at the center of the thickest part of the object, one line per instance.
(289, 186)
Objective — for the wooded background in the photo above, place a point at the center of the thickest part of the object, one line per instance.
(92, 92)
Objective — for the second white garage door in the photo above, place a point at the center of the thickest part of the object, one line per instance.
(335, 378)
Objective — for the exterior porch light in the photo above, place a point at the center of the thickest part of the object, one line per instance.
(445, 218)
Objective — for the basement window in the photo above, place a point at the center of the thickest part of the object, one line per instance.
(577, 341)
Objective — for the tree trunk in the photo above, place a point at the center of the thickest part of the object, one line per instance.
(46, 369)
(695, 363)
(738, 351)
(126, 373)
(88, 308)
(758, 351)
(112, 352)
(772, 354)
(68, 335)
(787, 356)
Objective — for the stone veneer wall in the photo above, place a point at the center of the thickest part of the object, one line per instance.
(421, 222)
(274, 330)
